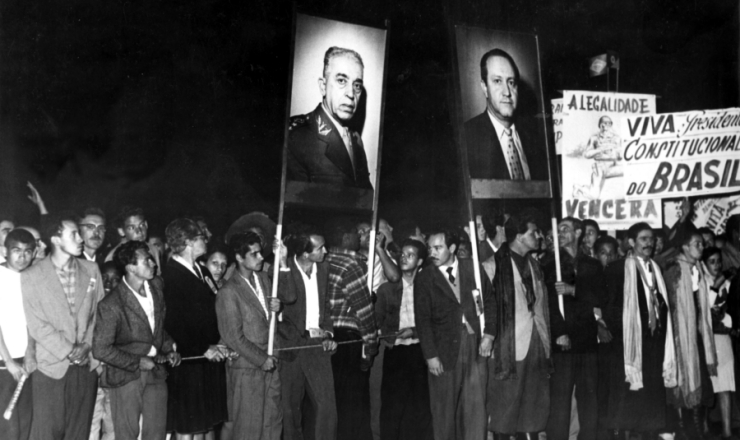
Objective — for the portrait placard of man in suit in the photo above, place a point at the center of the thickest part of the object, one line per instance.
(501, 98)
(333, 137)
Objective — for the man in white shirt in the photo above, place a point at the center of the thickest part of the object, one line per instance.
(307, 321)
(130, 339)
(20, 247)
(404, 410)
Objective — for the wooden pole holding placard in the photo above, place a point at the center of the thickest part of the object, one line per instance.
(376, 192)
(279, 230)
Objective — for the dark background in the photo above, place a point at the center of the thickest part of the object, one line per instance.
(179, 107)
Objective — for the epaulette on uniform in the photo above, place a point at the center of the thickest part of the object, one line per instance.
(298, 121)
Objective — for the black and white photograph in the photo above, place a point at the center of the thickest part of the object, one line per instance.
(350, 220)
(335, 107)
(501, 105)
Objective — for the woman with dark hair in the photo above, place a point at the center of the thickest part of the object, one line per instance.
(724, 382)
(216, 260)
(197, 388)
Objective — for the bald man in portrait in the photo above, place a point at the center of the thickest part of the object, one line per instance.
(322, 148)
(502, 144)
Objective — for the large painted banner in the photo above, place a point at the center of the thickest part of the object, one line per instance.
(593, 161)
(681, 154)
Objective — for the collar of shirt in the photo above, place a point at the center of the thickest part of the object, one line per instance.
(337, 125)
(147, 292)
(443, 269)
(493, 246)
(87, 257)
(189, 267)
(300, 269)
(500, 129)
(67, 267)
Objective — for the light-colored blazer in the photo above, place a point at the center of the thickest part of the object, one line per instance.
(51, 324)
(242, 322)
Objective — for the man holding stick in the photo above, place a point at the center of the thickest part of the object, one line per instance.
(447, 313)
(16, 363)
(518, 387)
(130, 338)
(60, 297)
(574, 333)
(243, 307)
(307, 321)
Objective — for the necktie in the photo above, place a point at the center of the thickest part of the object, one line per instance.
(197, 271)
(348, 144)
(512, 157)
(450, 276)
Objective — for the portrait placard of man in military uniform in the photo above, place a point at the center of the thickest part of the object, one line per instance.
(335, 123)
(501, 114)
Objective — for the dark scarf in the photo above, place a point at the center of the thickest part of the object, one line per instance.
(504, 356)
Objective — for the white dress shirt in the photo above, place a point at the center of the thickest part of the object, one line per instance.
(12, 315)
(147, 303)
(407, 319)
(312, 296)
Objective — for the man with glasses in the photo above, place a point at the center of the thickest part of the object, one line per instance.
(132, 226)
(92, 231)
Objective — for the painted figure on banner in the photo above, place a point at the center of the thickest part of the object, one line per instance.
(604, 147)
(322, 145)
(502, 144)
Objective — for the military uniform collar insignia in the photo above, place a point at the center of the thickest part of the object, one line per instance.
(324, 128)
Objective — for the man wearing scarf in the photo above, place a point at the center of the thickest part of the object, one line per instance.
(637, 316)
(692, 323)
(518, 398)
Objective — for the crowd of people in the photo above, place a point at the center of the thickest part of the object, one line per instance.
(168, 334)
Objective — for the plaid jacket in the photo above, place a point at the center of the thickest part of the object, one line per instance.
(349, 297)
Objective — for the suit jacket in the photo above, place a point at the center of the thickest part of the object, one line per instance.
(438, 314)
(485, 157)
(292, 329)
(316, 152)
(242, 322)
(579, 322)
(50, 324)
(614, 281)
(122, 335)
(191, 310)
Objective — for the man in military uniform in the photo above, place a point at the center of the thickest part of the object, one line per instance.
(321, 146)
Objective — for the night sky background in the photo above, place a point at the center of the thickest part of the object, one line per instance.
(179, 106)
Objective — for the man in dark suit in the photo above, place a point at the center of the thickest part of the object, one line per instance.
(574, 340)
(637, 316)
(60, 297)
(501, 144)
(307, 321)
(130, 339)
(447, 309)
(321, 146)
(243, 306)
